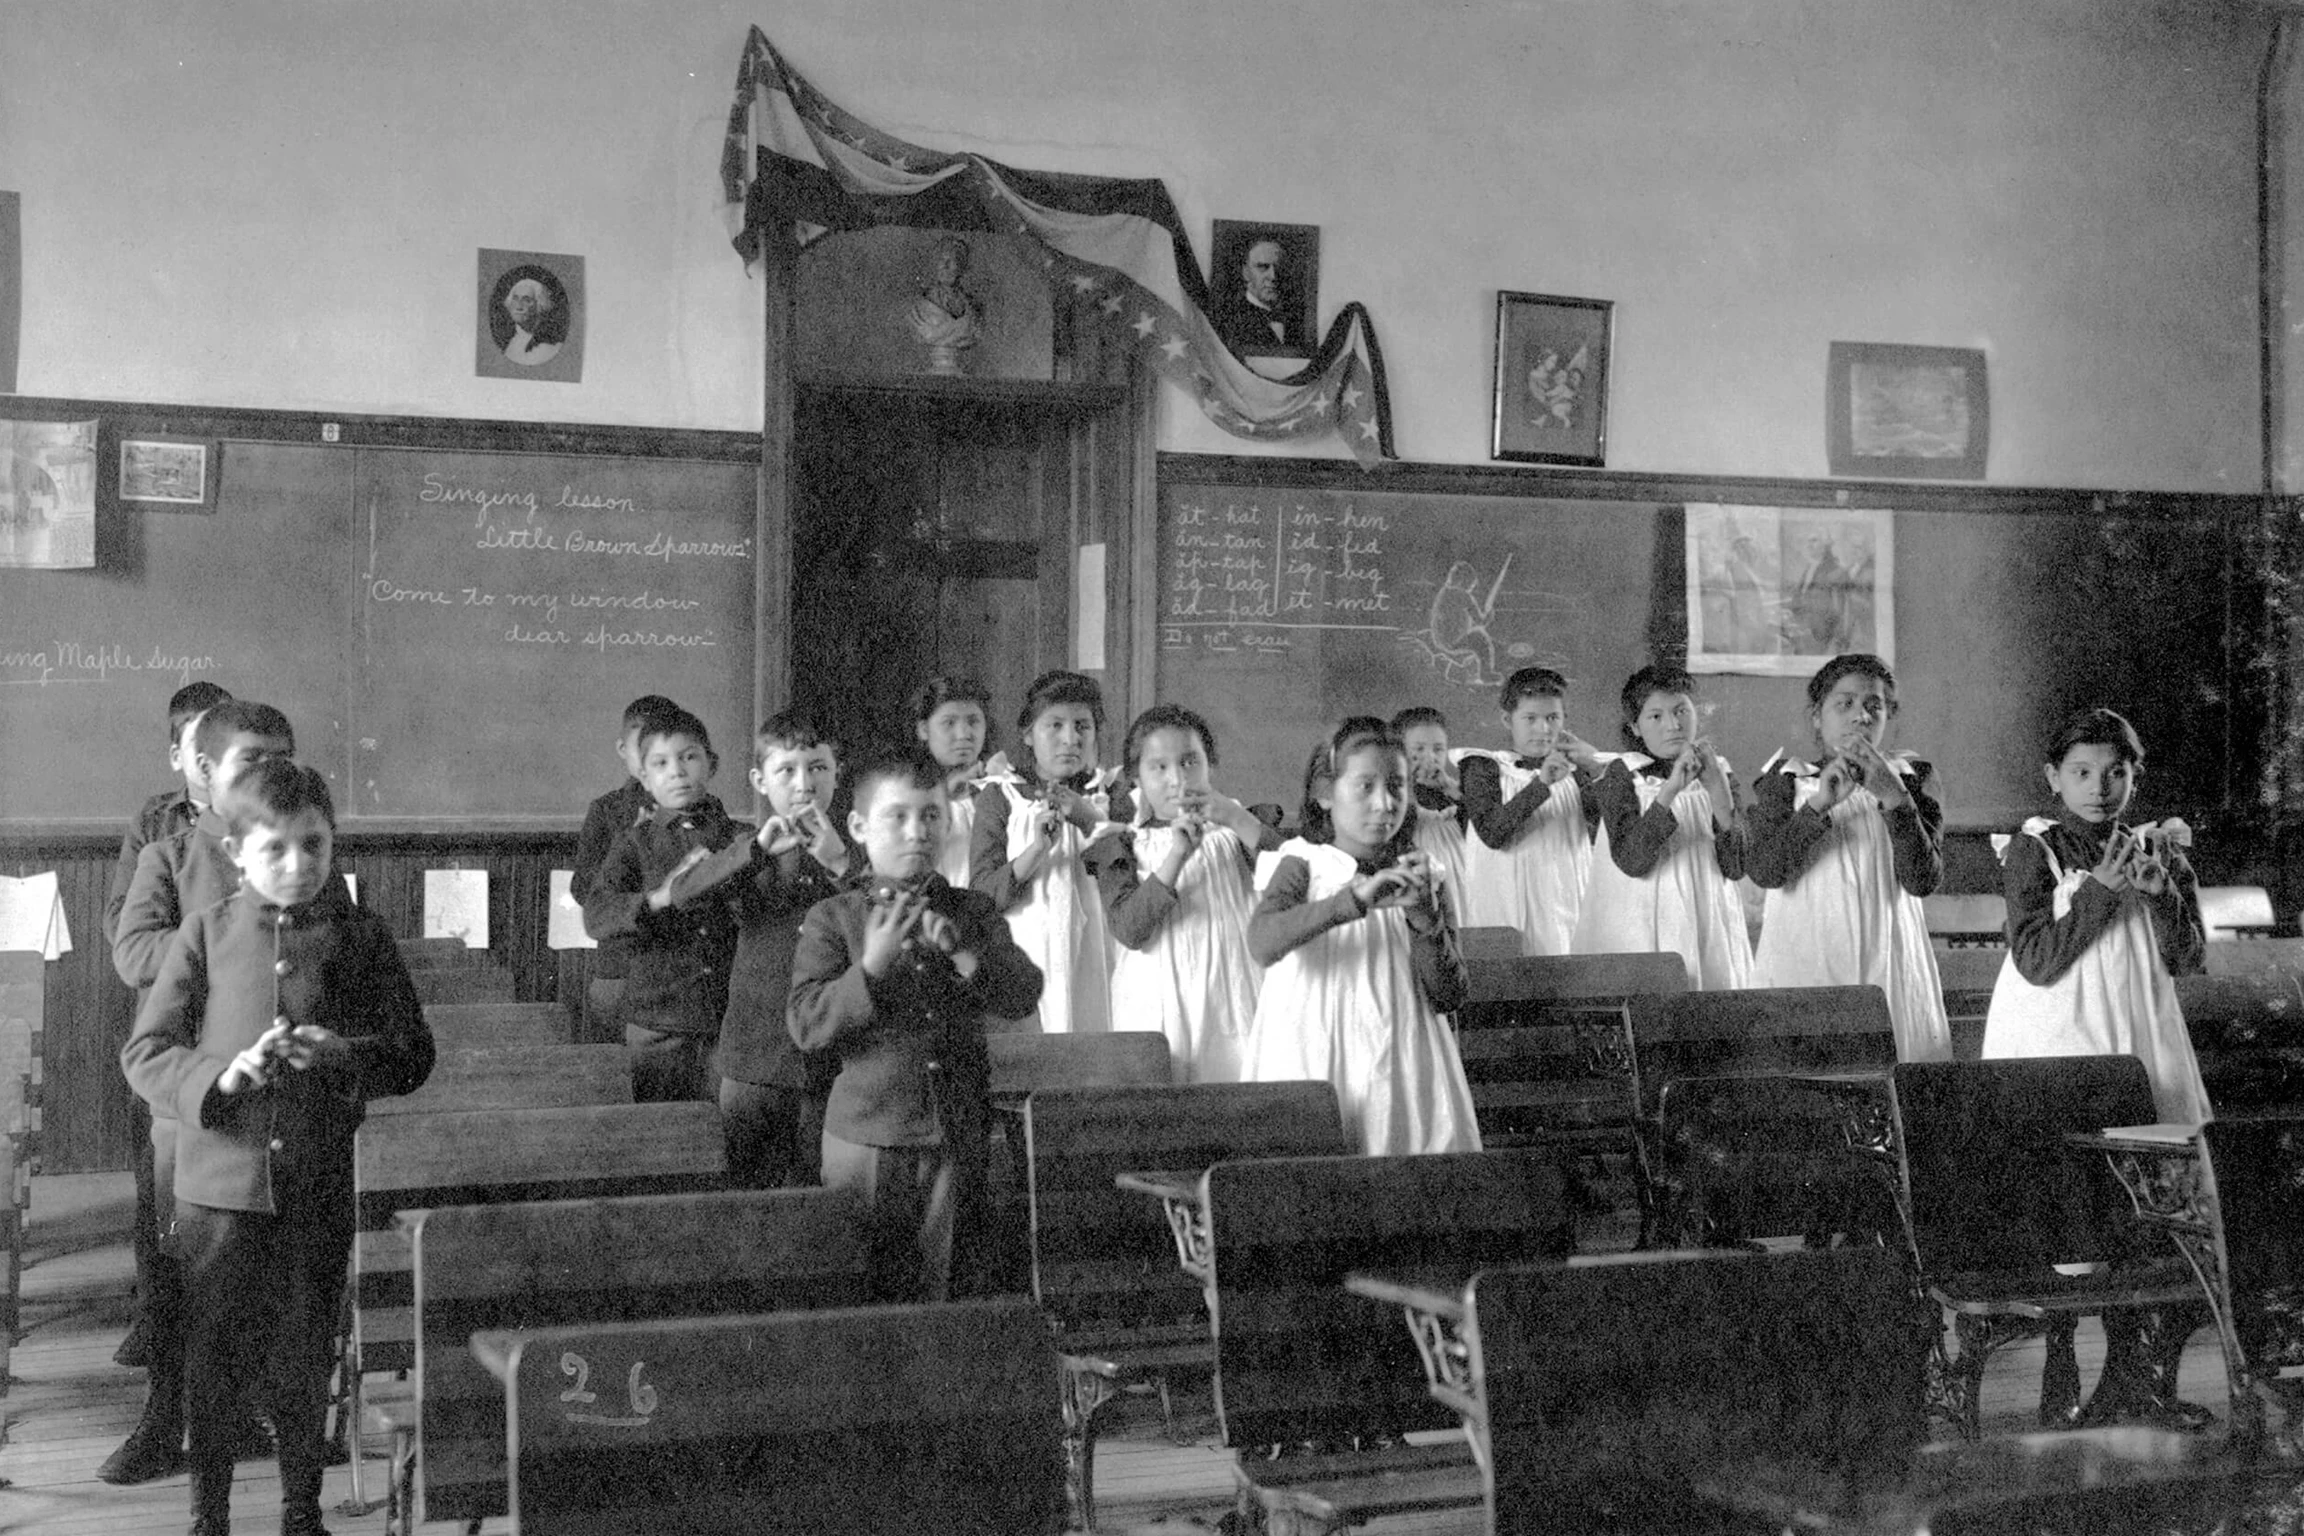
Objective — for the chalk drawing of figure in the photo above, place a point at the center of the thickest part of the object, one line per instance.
(1459, 628)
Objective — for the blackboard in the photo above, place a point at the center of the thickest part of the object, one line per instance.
(453, 634)
(1282, 610)
(1289, 596)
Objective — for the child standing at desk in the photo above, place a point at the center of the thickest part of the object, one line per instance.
(952, 717)
(1437, 823)
(1671, 842)
(606, 819)
(2101, 920)
(894, 977)
(1032, 828)
(1361, 959)
(677, 990)
(278, 1013)
(1176, 899)
(1845, 848)
(1529, 811)
(772, 1094)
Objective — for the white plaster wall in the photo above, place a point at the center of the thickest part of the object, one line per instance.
(268, 203)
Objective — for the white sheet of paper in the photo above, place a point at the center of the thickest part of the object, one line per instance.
(59, 933)
(1088, 609)
(564, 918)
(456, 906)
(28, 913)
(352, 886)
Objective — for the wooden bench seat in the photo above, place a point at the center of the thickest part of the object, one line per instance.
(464, 984)
(1994, 1199)
(1967, 977)
(564, 1262)
(1547, 1044)
(518, 1077)
(463, 1026)
(2247, 1028)
(442, 955)
(1023, 1063)
(1738, 1144)
(1301, 1360)
(879, 1421)
(1103, 1265)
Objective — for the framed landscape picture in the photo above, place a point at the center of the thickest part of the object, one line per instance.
(1550, 397)
(1906, 413)
(167, 474)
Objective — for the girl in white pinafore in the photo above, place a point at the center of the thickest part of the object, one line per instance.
(1361, 959)
(1671, 843)
(1436, 815)
(1026, 850)
(951, 716)
(1845, 851)
(2100, 920)
(1528, 819)
(1177, 899)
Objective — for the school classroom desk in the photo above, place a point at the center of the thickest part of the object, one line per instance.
(1178, 1191)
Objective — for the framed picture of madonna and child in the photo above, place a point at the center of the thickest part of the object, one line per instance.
(1551, 390)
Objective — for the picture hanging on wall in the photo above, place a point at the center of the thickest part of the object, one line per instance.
(167, 474)
(1773, 590)
(48, 495)
(1550, 403)
(531, 323)
(1906, 413)
(1264, 287)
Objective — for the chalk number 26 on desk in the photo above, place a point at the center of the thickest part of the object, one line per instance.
(639, 1394)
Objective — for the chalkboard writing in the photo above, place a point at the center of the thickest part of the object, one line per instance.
(1283, 610)
(453, 635)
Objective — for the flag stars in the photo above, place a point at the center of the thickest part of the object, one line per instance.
(1368, 428)
(1175, 348)
(1145, 325)
(1083, 282)
(1351, 397)
(1111, 304)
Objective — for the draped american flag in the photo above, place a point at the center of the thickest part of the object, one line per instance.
(793, 156)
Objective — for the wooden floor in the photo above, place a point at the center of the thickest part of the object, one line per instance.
(67, 1406)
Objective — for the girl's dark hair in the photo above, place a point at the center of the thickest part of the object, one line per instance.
(1165, 717)
(1853, 664)
(1417, 715)
(1312, 820)
(1641, 686)
(273, 793)
(937, 692)
(2096, 728)
(1052, 688)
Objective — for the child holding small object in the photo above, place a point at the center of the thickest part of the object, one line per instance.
(1530, 813)
(1437, 823)
(1361, 958)
(1845, 848)
(1671, 842)
(277, 1014)
(1176, 890)
(952, 717)
(772, 1093)
(1032, 827)
(2101, 920)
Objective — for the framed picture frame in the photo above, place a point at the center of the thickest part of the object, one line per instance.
(1906, 413)
(1264, 287)
(166, 474)
(531, 316)
(1550, 399)
(1774, 591)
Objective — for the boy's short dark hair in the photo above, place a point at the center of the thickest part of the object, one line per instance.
(937, 692)
(911, 767)
(1643, 684)
(1416, 716)
(1530, 683)
(1166, 717)
(677, 722)
(646, 710)
(2096, 728)
(790, 730)
(1853, 664)
(190, 702)
(273, 793)
(239, 717)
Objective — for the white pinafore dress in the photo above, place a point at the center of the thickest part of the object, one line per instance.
(1845, 922)
(1196, 983)
(1060, 920)
(1537, 885)
(1683, 906)
(2117, 1000)
(1440, 837)
(1344, 1008)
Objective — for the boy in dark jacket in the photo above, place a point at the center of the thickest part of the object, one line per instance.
(895, 977)
(278, 1013)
